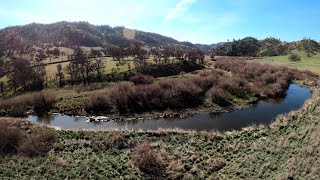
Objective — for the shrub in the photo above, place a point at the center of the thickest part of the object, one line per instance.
(18, 110)
(147, 159)
(98, 103)
(10, 139)
(38, 143)
(219, 96)
(43, 102)
(142, 79)
(294, 57)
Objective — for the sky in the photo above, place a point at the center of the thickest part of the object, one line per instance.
(197, 21)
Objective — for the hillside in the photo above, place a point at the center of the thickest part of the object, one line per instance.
(70, 34)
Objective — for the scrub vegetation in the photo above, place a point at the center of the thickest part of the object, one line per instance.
(232, 81)
(287, 149)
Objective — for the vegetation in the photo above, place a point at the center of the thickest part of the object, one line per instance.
(306, 63)
(17, 141)
(239, 80)
(294, 57)
(267, 47)
(284, 150)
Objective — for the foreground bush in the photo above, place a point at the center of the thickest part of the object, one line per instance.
(294, 57)
(10, 138)
(147, 159)
(38, 143)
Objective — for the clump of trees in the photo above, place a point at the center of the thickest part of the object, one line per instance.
(273, 47)
(309, 46)
(248, 46)
(82, 68)
(267, 47)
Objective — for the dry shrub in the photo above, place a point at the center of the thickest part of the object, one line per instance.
(38, 143)
(111, 140)
(147, 159)
(236, 86)
(215, 164)
(10, 137)
(294, 57)
(219, 96)
(142, 79)
(98, 103)
(247, 80)
(17, 106)
(267, 80)
(43, 102)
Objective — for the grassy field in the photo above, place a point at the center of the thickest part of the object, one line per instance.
(288, 149)
(306, 63)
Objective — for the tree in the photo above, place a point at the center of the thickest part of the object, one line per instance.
(72, 70)
(21, 74)
(309, 45)
(140, 55)
(81, 67)
(248, 46)
(3, 68)
(56, 52)
(38, 76)
(60, 75)
(95, 53)
(179, 53)
(156, 55)
(99, 67)
(273, 47)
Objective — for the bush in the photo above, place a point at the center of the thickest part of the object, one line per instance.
(148, 160)
(38, 143)
(98, 103)
(10, 139)
(43, 102)
(294, 57)
(219, 96)
(142, 79)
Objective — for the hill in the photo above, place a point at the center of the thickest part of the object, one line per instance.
(70, 34)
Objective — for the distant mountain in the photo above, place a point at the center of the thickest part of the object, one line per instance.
(71, 34)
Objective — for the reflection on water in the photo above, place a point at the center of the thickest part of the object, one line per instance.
(263, 112)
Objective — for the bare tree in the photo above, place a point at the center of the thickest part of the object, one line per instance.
(99, 67)
(60, 75)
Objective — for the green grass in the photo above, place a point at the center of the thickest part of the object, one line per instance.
(289, 148)
(309, 63)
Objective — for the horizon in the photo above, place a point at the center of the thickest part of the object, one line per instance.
(203, 22)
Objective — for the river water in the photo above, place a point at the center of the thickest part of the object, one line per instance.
(263, 112)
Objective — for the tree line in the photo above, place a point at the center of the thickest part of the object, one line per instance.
(250, 46)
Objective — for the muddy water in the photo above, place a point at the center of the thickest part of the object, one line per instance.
(264, 112)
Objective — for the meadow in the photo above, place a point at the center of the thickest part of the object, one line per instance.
(307, 63)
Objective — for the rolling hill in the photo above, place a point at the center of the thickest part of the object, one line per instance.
(71, 34)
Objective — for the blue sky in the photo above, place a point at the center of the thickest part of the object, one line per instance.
(197, 21)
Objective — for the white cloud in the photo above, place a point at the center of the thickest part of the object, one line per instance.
(180, 7)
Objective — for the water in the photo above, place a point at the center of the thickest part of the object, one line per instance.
(264, 112)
